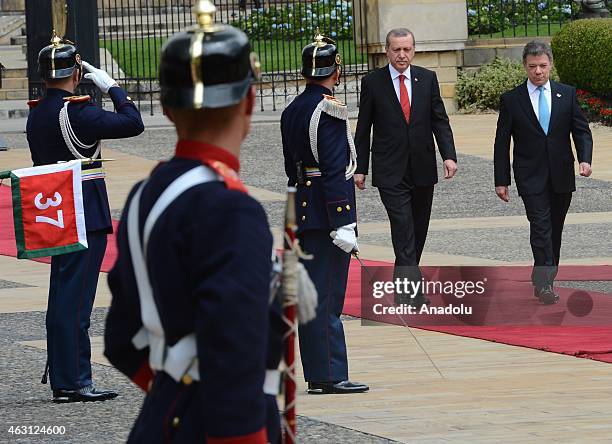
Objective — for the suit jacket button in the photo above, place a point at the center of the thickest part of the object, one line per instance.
(304, 204)
(303, 218)
(176, 421)
(348, 207)
(339, 209)
(308, 183)
(187, 380)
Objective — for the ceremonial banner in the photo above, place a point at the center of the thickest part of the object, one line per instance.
(48, 210)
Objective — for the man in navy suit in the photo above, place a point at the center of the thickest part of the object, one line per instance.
(540, 115)
(401, 102)
(320, 160)
(74, 276)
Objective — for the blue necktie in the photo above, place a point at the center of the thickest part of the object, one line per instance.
(543, 111)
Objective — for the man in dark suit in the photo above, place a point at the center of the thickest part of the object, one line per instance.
(403, 104)
(540, 115)
(62, 127)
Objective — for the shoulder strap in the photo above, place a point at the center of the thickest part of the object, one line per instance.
(152, 333)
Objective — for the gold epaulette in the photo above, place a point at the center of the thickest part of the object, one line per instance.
(333, 100)
(33, 103)
(77, 99)
(334, 107)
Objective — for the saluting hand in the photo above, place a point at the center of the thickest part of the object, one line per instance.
(450, 168)
(99, 77)
(585, 169)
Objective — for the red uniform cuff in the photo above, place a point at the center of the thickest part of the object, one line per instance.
(259, 437)
(143, 376)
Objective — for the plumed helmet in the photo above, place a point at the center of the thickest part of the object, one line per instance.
(58, 60)
(320, 59)
(207, 66)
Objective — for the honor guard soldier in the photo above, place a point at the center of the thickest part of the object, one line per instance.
(320, 160)
(189, 319)
(62, 127)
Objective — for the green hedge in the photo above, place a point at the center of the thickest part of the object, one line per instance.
(481, 90)
(583, 55)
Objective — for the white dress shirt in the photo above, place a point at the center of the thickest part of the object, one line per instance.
(394, 76)
(534, 96)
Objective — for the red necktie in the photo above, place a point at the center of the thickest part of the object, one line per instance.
(404, 100)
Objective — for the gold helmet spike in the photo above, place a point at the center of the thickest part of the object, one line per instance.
(319, 39)
(55, 39)
(204, 11)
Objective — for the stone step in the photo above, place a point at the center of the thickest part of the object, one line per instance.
(10, 26)
(13, 109)
(14, 83)
(19, 40)
(14, 73)
(13, 94)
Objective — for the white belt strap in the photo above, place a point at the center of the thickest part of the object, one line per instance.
(272, 382)
(181, 358)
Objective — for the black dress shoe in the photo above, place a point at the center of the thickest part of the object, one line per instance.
(547, 296)
(324, 388)
(86, 395)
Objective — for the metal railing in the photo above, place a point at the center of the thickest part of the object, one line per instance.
(132, 32)
(518, 18)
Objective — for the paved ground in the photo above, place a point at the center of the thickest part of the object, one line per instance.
(479, 400)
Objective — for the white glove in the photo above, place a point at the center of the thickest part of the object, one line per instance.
(308, 298)
(344, 238)
(99, 77)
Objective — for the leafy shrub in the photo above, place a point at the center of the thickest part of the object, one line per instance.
(481, 90)
(295, 21)
(583, 55)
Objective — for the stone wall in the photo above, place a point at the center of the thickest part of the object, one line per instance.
(440, 30)
(478, 52)
(12, 5)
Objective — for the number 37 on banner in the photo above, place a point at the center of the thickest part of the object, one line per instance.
(48, 210)
(56, 201)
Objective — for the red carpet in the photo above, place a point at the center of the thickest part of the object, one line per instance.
(592, 339)
(559, 328)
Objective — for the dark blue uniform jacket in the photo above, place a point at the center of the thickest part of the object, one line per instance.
(326, 201)
(209, 261)
(90, 123)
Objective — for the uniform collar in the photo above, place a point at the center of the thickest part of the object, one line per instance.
(318, 88)
(58, 92)
(191, 149)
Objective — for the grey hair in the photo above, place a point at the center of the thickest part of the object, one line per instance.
(399, 32)
(537, 48)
